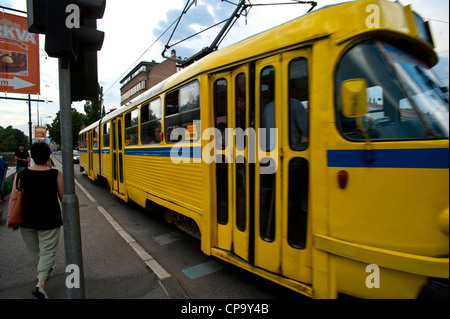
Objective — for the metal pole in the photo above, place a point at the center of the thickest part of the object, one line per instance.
(30, 125)
(70, 209)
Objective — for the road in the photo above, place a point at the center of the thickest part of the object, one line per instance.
(111, 230)
(199, 275)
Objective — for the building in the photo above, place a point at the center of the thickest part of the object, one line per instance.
(144, 76)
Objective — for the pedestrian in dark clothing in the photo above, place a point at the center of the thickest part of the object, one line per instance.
(41, 213)
(22, 157)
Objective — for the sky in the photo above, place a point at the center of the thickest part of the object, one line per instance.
(132, 28)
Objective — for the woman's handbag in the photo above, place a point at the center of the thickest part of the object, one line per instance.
(15, 206)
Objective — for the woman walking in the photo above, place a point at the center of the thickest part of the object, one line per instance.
(41, 213)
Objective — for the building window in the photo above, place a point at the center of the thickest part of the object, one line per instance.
(138, 87)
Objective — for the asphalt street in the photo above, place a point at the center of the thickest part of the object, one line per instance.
(129, 253)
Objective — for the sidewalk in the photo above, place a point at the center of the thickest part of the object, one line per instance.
(111, 269)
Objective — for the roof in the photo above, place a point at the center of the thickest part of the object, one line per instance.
(149, 65)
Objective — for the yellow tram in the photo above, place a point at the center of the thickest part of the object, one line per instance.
(314, 154)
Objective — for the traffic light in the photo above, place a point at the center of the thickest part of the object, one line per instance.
(83, 77)
(69, 25)
(70, 29)
(36, 15)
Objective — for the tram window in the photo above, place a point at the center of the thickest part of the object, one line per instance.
(298, 104)
(121, 167)
(106, 134)
(95, 143)
(241, 102)
(119, 135)
(298, 202)
(267, 203)
(220, 111)
(151, 122)
(222, 190)
(241, 194)
(182, 108)
(131, 127)
(267, 107)
(113, 129)
(404, 100)
(82, 141)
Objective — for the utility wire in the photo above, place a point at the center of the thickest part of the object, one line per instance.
(177, 20)
(191, 36)
(188, 5)
(132, 65)
(436, 20)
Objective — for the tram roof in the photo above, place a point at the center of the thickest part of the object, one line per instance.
(340, 22)
(90, 126)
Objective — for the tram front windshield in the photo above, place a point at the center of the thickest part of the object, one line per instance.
(404, 99)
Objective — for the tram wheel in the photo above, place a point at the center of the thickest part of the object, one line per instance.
(169, 215)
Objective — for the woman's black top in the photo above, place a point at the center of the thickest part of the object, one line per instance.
(41, 208)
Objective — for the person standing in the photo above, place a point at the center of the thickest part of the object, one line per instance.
(41, 213)
(22, 157)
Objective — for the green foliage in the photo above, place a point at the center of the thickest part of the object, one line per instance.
(93, 109)
(54, 129)
(10, 138)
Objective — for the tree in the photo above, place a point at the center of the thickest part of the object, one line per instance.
(54, 129)
(93, 109)
(10, 138)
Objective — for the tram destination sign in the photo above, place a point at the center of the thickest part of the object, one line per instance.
(19, 56)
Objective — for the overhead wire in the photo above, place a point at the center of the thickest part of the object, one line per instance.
(162, 34)
(188, 5)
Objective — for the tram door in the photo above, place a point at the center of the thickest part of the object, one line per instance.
(231, 120)
(262, 183)
(117, 157)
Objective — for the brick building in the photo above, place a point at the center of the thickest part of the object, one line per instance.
(144, 76)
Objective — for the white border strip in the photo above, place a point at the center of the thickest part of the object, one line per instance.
(138, 249)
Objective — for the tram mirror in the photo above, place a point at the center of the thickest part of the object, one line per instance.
(354, 97)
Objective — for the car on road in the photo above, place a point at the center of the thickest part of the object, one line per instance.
(76, 157)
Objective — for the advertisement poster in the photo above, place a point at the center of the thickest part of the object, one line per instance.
(40, 133)
(19, 56)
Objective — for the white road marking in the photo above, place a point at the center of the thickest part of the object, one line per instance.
(138, 249)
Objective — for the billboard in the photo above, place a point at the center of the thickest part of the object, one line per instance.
(19, 56)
